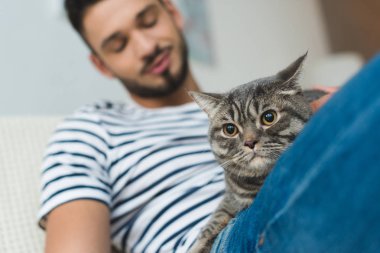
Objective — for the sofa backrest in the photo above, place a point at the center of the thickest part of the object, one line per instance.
(22, 144)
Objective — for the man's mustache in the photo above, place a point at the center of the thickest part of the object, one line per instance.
(149, 59)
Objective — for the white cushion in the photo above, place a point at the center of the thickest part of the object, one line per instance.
(22, 144)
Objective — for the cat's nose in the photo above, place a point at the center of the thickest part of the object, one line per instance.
(250, 144)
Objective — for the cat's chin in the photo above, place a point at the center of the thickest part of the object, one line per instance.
(260, 165)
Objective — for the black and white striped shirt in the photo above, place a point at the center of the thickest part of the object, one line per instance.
(152, 167)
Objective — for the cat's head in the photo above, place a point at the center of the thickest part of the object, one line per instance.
(251, 125)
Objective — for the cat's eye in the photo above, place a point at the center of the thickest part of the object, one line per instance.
(230, 130)
(268, 118)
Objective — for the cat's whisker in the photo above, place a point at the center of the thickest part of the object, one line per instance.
(225, 163)
(238, 156)
(273, 146)
(266, 149)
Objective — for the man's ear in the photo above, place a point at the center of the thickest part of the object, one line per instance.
(100, 66)
(174, 12)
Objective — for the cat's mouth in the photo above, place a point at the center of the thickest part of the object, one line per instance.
(259, 165)
(257, 157)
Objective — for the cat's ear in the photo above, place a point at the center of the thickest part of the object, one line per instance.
(289, 77)
(208, 102)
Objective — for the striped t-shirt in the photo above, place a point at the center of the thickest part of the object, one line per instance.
(153, 168)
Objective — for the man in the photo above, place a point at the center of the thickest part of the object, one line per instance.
(140, 176)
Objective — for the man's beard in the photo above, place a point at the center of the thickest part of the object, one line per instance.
(172, 81)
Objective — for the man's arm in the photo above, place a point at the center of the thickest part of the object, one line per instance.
(79, 226)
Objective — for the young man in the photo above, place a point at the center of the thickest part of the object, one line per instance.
(140, 176)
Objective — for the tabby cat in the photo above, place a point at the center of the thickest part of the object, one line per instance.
(250, 127)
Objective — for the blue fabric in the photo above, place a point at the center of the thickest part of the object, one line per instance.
(324, 193)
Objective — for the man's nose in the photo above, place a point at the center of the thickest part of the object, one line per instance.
(144, 44)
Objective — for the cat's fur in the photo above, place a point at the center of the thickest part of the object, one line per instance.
(248, 157)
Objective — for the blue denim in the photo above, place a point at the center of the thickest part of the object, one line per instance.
(323, 195)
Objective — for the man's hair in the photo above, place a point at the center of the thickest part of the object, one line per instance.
(75, 10)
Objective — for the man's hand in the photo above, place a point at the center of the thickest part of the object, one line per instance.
(315, 105)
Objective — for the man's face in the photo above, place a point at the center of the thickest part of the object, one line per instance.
(140, 43)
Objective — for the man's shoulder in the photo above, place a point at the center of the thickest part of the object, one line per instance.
(100, 110)
(101, 107)
(96, 115)
(90, 123)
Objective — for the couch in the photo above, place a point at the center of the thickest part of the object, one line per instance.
(22, 144)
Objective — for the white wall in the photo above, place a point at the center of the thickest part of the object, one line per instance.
(256, 38)
(44, 67)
